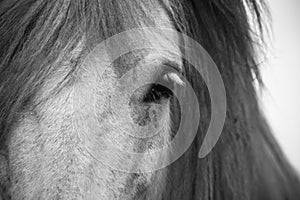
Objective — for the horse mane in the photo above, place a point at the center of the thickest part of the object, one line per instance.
(38, 37)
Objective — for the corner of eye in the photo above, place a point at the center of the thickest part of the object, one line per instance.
(171, 76)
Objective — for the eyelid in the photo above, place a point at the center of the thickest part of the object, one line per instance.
(174, 77)
(174, 65)
(176, 72)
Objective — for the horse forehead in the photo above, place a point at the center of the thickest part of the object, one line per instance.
(154, 55)
(161, 39)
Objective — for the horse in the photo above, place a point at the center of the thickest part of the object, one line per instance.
(62, 122)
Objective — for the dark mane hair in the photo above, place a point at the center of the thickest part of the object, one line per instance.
(39, 37)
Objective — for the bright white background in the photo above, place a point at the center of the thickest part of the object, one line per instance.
(281, 74)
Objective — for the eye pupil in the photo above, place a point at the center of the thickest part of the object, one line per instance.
(156, 93)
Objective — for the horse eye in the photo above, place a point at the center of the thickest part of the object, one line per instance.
(156, 93)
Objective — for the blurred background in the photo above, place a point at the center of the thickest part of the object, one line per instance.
(281, 74)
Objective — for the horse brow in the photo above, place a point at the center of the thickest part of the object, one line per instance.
(166, 60)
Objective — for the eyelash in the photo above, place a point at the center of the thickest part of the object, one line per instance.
(156, 93)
